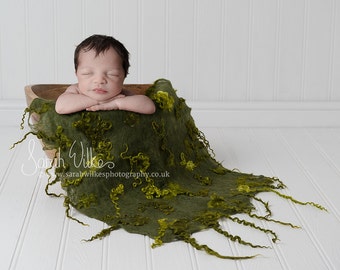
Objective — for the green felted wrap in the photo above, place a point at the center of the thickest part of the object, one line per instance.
(149, 174)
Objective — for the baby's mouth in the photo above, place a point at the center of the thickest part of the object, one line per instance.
(100, 91)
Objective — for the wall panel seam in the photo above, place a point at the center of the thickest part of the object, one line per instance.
(27, 41)
(148, 254)
(83, 18)
(223, 45)
(140, 40)
(277, 51)
(1, 67)
(166, 39)
(63, 243)
(331, 52)
(105, 251)
(56, 38)
(249, 93)
(194, 50)
(112, 16)
(304, 51)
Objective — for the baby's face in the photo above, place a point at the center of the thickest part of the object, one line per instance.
(100, 77)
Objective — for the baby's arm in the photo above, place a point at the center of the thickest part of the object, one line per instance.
(72, 101)
(134, 103)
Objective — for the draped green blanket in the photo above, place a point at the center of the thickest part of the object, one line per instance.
(149, 174)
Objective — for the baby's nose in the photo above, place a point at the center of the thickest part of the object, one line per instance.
(100, 78)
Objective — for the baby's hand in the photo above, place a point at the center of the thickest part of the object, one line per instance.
(106, 105)
(103, 107)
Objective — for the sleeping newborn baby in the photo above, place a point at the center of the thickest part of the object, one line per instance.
(101, 66)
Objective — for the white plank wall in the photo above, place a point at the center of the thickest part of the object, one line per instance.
(221, 50)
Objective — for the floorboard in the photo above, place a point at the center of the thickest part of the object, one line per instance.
(36, 234)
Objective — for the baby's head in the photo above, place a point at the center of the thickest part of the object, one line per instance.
(101, 65)
(100, 44)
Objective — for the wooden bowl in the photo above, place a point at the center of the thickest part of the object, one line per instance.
(53, 91)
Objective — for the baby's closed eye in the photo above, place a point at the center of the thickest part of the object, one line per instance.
(112, 74)
(85, 73)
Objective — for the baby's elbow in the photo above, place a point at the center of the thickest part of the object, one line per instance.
(60, 109)
(147, 106)
(151, 108)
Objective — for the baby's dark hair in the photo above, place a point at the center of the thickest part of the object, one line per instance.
(101, 43)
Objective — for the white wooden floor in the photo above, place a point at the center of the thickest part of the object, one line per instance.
(34, 233)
